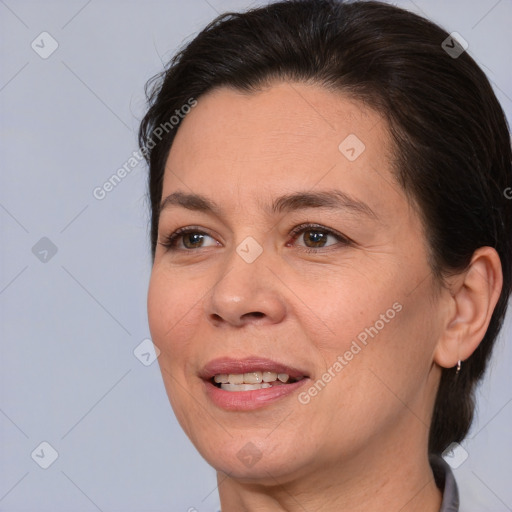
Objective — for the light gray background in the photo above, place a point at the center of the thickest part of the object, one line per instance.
(69, 325)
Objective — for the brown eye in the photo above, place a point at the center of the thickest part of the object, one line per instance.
(315, 238)
(188, 239)
(309, 237)
(192, 240)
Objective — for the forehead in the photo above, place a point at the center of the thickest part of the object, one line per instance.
(286, 136)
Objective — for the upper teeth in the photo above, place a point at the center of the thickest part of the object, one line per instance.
(250, 378)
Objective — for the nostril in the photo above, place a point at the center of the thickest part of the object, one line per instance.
(236, 320)
(255, 314)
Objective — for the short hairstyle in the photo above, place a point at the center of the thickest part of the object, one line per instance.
(451, 146)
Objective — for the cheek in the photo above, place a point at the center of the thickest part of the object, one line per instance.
(412, 338)
(380, 340)
(171, 305)
(335, 308)
(389, 376)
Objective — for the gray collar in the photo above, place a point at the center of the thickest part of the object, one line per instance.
(446, 482)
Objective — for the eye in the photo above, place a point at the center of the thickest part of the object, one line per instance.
(188, 239)
(306, 236)
(314, 236)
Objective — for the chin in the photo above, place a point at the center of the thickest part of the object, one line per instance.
(254, 461)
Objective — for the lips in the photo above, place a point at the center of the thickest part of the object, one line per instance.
(227, 365)
(245, 397)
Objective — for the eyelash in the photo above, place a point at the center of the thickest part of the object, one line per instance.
(169, 241)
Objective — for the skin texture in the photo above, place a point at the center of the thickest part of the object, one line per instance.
(361, 442)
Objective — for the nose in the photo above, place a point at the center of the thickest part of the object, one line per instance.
(246, 293)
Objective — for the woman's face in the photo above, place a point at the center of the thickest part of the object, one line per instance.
(302, 256)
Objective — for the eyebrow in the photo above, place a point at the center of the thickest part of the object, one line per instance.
(333, 199)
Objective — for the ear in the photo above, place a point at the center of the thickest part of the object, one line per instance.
(474, 295)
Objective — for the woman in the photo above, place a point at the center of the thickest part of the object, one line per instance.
(331, 259)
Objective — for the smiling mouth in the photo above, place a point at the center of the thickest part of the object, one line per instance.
(252, 380)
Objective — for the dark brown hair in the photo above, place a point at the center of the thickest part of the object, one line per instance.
(452, 153)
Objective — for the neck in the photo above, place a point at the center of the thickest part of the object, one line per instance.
(399, 479)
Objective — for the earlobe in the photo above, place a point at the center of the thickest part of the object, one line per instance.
(474, 295)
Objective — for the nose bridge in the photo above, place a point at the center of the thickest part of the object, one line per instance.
(247, 291)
